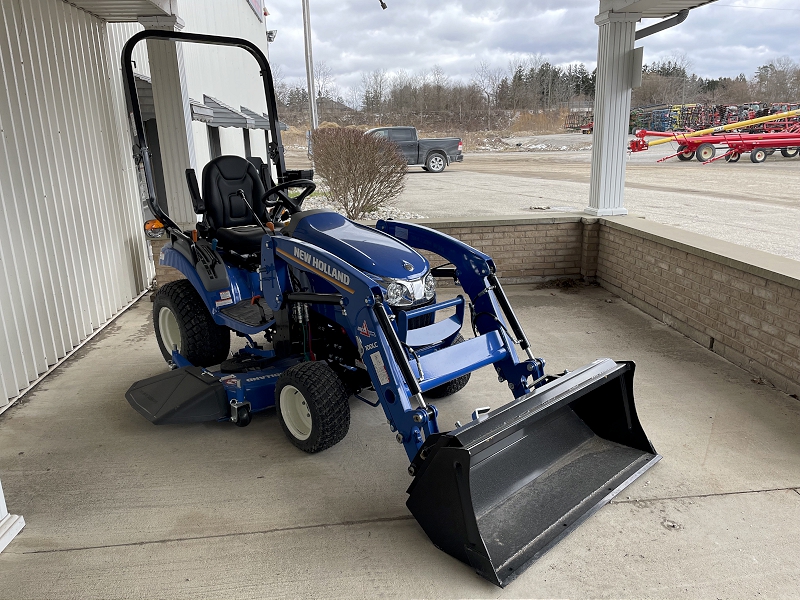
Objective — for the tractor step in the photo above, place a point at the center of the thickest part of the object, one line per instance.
(251, 312)
(500, 491)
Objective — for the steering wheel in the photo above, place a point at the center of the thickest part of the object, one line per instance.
(292, 205)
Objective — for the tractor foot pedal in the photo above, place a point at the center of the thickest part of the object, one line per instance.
(243, 362)
(250, 312)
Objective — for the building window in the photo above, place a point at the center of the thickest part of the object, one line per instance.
(248, 153)
(214, 147)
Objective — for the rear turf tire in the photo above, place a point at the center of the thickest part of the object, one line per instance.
(312, 405)
(789, 152)
(451, 387)
(181, 318)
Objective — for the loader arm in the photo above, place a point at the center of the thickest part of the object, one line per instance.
(491, 311)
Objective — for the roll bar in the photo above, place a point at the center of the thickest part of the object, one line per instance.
(141, 149)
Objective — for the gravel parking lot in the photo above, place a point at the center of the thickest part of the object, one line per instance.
(755, 205)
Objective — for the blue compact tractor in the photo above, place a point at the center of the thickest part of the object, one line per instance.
(329, 308)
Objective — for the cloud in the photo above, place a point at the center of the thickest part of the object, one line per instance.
(355, 36)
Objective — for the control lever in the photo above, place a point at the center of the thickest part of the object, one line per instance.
(243, 197)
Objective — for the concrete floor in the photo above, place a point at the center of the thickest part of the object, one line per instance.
(118, 508)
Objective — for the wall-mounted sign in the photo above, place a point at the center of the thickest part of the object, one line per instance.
(258, 8)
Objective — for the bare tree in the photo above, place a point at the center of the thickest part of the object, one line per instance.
(487, 79)
(354, 97)
(776, 81)
(361, 172)
(375, 85)
(279, 82)
(324, 81)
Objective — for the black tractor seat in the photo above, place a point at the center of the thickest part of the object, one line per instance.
(227, 216)
(245, 239)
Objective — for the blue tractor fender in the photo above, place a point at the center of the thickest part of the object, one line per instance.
(241, 284)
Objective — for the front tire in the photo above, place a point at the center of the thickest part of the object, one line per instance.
(758, 156)
(436, 163)
(181, 319)
(312, 405)
(451, 387)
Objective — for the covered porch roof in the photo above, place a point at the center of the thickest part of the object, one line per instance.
(650, 9)
(120, 11)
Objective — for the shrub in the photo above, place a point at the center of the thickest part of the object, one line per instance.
(362, 173)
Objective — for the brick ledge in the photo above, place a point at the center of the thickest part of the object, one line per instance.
(756, 262)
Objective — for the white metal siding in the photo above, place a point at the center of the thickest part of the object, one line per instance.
(72, 253)
(230, 75)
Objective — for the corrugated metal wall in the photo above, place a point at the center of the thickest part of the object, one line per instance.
(72, 254)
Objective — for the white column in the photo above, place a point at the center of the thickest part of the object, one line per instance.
(173, 116)
(10, 525)
(612, 107)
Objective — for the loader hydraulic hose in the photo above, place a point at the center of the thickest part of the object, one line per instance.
(509, 314)
(313, 298)
(719, 128)
(398, 353)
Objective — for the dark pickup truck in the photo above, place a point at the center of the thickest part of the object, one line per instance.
(431, 154)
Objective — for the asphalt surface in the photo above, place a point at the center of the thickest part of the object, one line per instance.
(755, 205)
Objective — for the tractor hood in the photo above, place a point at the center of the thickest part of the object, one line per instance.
(365, 248)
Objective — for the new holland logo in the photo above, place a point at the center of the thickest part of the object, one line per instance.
(364, 330)
(321, 265)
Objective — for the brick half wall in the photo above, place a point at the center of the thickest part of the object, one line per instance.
(525, 250)
(741, 303)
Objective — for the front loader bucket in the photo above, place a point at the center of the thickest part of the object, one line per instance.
(499, 492)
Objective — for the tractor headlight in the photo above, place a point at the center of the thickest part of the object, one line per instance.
(394, 293)
(430, 286)
(404, 292)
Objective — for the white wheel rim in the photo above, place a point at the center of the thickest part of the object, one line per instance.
(437, 163)
(295, 412)
(169, 329)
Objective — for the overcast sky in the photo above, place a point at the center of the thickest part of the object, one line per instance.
(721, 39)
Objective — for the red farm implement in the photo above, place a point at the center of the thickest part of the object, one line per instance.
(703, 144)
